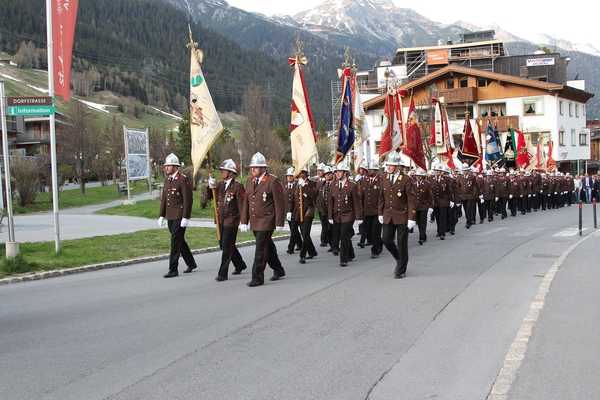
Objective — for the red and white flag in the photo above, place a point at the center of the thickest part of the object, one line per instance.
(64, 16)
(414, 141)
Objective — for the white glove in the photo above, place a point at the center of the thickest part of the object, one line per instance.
(451, 204)
(411, 224)
(510, 196)
(554, 192)
(533, 195)
(359, 221)
(184, 222)
(481, 196)
(482, 201)
(541, 191)
(330, 222)
(528, 195)
(288, 216)
(380, 218)
(430, 212)
(358, 177)
(301, 182)
(244, 228)
(212, 182)
(161, 222)
(458, 205)
(279, 228)
(496, 199)
(521, 196)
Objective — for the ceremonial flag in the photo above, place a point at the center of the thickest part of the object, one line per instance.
(492, 149)
(541, 157)
(522, 158)
(550, 162)
(398, 131)
(531, 158)
(64, 15)
(441, 139)
(346, 128)
(469, 146)
(302, 133)
(498, 141)
(361, 128)
(205, 124)
(385, 145)
(414, 142)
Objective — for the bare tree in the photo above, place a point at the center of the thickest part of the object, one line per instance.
(26, 175)
(80, 141)
(258, 134)
(114, 142)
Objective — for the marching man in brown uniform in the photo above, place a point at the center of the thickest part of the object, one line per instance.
(469, 193)
(264, 209)
(344, 208)
(424, 203)
(371, 186)
(443, 195)
(176, 207)
(230, 200)
(397, 211)
(490, 194)
(503, 184)
(304, 199)
(292, 215)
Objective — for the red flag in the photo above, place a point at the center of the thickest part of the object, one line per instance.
(522, 158)
(64, 15)
(414, 142)
(388, 121)
(469, 147)
(550, 163)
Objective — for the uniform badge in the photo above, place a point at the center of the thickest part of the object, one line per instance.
(264, 196)
(346, 199)
(374, 186)
(399, 194)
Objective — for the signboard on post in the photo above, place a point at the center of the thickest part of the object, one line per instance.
(30, 110)
(29, 101)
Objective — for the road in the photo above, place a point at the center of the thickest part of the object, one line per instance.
(323, 332)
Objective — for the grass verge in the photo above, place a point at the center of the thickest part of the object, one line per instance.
(149, 209)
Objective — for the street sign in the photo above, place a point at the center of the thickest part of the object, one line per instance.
(30, 101)
(30, 110)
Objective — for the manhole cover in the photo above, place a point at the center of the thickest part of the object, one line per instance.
(543, 255)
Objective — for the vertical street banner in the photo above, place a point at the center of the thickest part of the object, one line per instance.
(138, 154)
(64, 16)
(346, 128)
(302, 132)
(205, 124)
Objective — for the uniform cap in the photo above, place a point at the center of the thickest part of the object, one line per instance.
(258, 160)
(290, 171)
(373, 165)
(228, 165)
(172, 160)
(394, 158)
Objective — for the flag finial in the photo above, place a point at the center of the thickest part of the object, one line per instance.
(192, 45)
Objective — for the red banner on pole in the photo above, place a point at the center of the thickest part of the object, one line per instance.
(64, 15)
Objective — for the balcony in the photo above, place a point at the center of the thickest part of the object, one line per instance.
(503, 123)
(460, 95)
(32, 137)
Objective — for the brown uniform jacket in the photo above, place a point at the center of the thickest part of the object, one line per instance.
(264, 204)
(323, 189)
(370, 195)
(514, 187)
(503, 184)
(343, 205)
(229, 201)
(309, 192)
(288, 194)
(442, 191)
(397, 201)
(490, 189)
(469, 189)
(424, 195)
(177, 199)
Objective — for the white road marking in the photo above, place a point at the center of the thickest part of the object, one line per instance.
(569, 232)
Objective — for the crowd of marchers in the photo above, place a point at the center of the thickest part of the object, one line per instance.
(385, 204)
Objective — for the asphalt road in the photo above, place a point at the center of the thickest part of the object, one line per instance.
(324, 332)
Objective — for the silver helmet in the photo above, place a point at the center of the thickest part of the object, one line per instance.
(258, 160)
(327, 170)
(419, 172)
(172, 160)
(342, 167)
(394, 158)
(228, 165)
(364, 165)
(373, 165)
(289, 171)
(321, 167)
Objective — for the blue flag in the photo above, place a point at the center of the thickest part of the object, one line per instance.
(492, 150)
(346, 131)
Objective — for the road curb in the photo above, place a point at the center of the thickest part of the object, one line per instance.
(114, 264)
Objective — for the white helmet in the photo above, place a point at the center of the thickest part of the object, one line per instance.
(438, 167)
(327, 170)
(228, 165)
(364, 165)
(342, 167)
(258, 160)
(394, 158)
(290, 171)
(172, 160)
(373, 165)
(419, 172)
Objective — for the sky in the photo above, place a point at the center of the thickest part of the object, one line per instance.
(525, 19)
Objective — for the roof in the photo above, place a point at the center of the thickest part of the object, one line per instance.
(451, 46)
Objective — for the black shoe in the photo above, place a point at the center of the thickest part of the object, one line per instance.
(238, 271)
(343, 264)
(490, 220)
(442, 237)
(190, 269)
(452, 232)
(480, 221)
(467, 226)
(276, 277)
(171, 274)
(374, 256)
(220, 278)
(361, 245)
(329, 250)
(399, 276)
(437, 235)
(323, 244)
(336, 252)
(368, 244)
(254, 283)
(298, 248)
(302, 260)
(420, 242)
(310, 257)
(290, 251)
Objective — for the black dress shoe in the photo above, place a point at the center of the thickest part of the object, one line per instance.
(336, 252)
(329, 250)
(480, 221)
(298, 248)
(190, 269)
(254, 283)
(442, 237)
(467, 226)
(368, 244)
(399, 276)
(276, 277)
(420, 242)
(437, 235)
(490, 220)
(361, 245)
(302, 260)
(290, 251)
(238, 271)
(452, 232)
(310, 257)
(374, 256)
(343, 264)
(220, 278)
(323, 244)
(171, 274)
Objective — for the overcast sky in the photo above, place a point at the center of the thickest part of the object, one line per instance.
(525, 19)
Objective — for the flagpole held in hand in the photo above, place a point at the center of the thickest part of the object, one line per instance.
(214, 194)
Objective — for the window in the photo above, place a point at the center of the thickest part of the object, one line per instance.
(481, 82)
(561, 138)
(450, 84)
(492, 110)
(377, 117)
(455, 113)
(570, 109)
(464, 82)
(583, 139)
(534, 138)
(530, 108)
(533, 106)
(577, 110)
(573, 138)
(560, 107)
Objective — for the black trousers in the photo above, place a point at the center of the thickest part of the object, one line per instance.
(422, 224)
(325, 230)
(489, 206)
(502, 206)
(372, 231)
(230, 251)
(482, 208)
(513, 203)
(342, 237)
(398, 232)
(265, 253)
(179, 246)
(469, 211)
(295, 235)
(440, 219)
(307, 243)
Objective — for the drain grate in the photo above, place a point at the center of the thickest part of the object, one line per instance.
(544, 255)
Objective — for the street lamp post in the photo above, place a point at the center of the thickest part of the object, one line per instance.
(241, 165)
